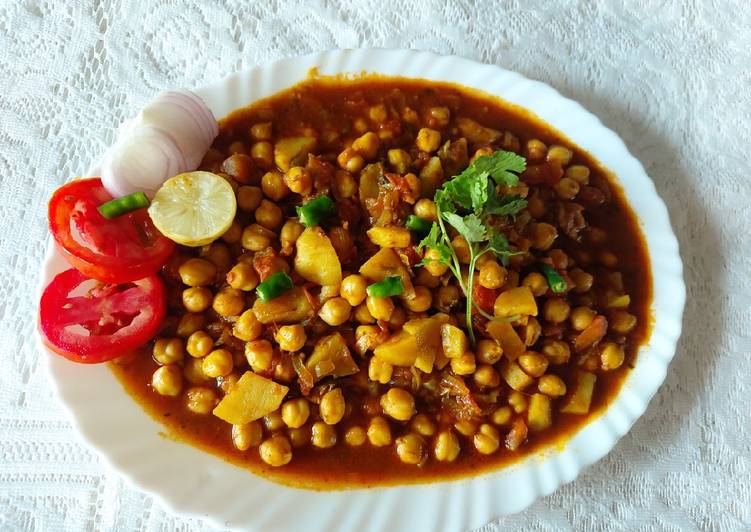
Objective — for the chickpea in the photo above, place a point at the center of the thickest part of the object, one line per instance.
(488, 351)
(464, 364)
(535, 149)
(254, 241)
(197, 272)
(410, 448)
(566, 188)
(611, 356)
(492, 275)
(432, 262)
(249, 198)
(446, 447)
(167, 380)
(300, 437)
(219, 255)
(379, 370)
(200, 400)
(247, 327)
(168, 350)
(559, 154)
(246, 436)
(291, 337)
(380, 307)
(447, 298)
(398, 403)
(199, 344)
(426, 209)
(332, 406)
(243, 277)
(291, 231)
(537, 283)
(622, 322)
(428, 140)
(400, 161)
(218, 363)
(461, 248)
(531, 331)
(227, 383)
(350, 160)
(518, 401)
(421, 301)
(276, 451)
(197, 298)
(422, 424)
(259, 354)
(398, 318)
(262, 154)
(439, 116)
(501, 416)
(533, 363)
(269, 215)
(551, 385)
(556, 310)
(190, 323)
(299, 180)
(543, 235)
(536, 206)
(578, 173)
(582, 280)
(344, 185)
(378, 113)
(353, 289)
(284, 371)
(273, 421)
(581, 317)
(335, 311)
(608, 258)
(486, 376)
(379, 432)
(274, 186)
(295, 412)
(360, 125)
(424, 278)
(322, 435)
(466, 428)
(355, 436)
(367, 145)
(556, 351)
(487, 440)
(229, 302)
(362, 314)
(261, 131)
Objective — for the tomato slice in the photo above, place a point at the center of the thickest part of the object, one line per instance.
(120, 250)
(89, 322)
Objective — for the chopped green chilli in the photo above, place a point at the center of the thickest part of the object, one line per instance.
(314, 211)
(557, 283)
(390, 286)
(274, 286)
(124, 205)
(419, 225)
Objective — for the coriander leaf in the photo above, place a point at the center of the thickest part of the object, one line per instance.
(434, 240)
(459, 189)
(443, 201)
(470, 226)
(498, 243)
(503, 205)
(502, 166)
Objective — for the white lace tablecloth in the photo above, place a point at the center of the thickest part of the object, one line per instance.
(672, 78)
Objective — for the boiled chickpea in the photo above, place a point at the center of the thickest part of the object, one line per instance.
(461, 248)
(269, 215)
(582, 280)
(190, 323)
(581, 317)
(559, 154)
(398, 403)
(291, 231)
(531, 331)
(197, 298)
(428, 140)
(426, 279)
(284, 371)
(217, 363)
(556, 351)
(447, 298)
(273, 421)
(535, 149)
(537, 283)
(350, 160)
(355, 436)
(299, 180)
(533, 363)
(379, 432)
(486, 376)
(300, 437)
(378, 113)
(380, 307)
(167, 380)
(421, 301)
(410, 448)
(611, 356)
(168, 350)
(254, 241)
(353, 289)
(332, 406)
(488, 351)
(501, 416)
(276, 451)
(197, 272)
(199, 344)
(246, 436)
(274, 186)
(232, 235)
(578, 173)
(379, 370)
(335, 311)
(464, 364)
(200, 400)
(243, 277)
(487, 440)
(439, 116)
(426, 209)
(466, 427)
(259, 354)
(229, 302)
(566, 188)
(262, 154)
(249, 198)
(367, 145)
(295, 412)
(362, 314)
(227, 383)
(422, 424)
(518, 401)
(556, 310)
(399, 161)
(291, 337)
(247, 327)
(492, 275)
(622, 322)
(543, 235)
(322, 435)
(219, 255)
(261, 131)
(432, 262)
(551, 385)
(446, 447)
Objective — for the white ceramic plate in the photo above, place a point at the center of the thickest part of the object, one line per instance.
(193, 482)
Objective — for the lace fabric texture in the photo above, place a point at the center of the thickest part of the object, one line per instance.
(671, 78)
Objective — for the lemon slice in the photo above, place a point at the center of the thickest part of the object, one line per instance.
(194, 208)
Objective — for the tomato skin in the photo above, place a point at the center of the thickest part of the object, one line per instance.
(120, 250)
(144, 304)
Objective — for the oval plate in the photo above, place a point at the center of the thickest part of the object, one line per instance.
(193, 482)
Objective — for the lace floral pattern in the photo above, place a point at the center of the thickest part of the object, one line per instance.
(671, 78)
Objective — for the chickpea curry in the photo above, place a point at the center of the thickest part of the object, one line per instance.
(420, 282)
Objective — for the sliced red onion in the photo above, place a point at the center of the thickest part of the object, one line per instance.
(173, 116)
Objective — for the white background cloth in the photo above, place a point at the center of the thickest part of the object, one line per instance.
(671, 78)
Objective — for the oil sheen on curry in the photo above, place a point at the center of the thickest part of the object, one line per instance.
(467, 287)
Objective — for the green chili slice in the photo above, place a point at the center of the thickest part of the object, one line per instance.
(274, 286)
(124, 205)
(390, 286)
(312, 212)
(556, 282)
(419, 225)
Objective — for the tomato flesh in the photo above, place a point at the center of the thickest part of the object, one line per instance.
(96, 323)
(119, 250)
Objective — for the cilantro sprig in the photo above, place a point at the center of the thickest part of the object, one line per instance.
(465, 203)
